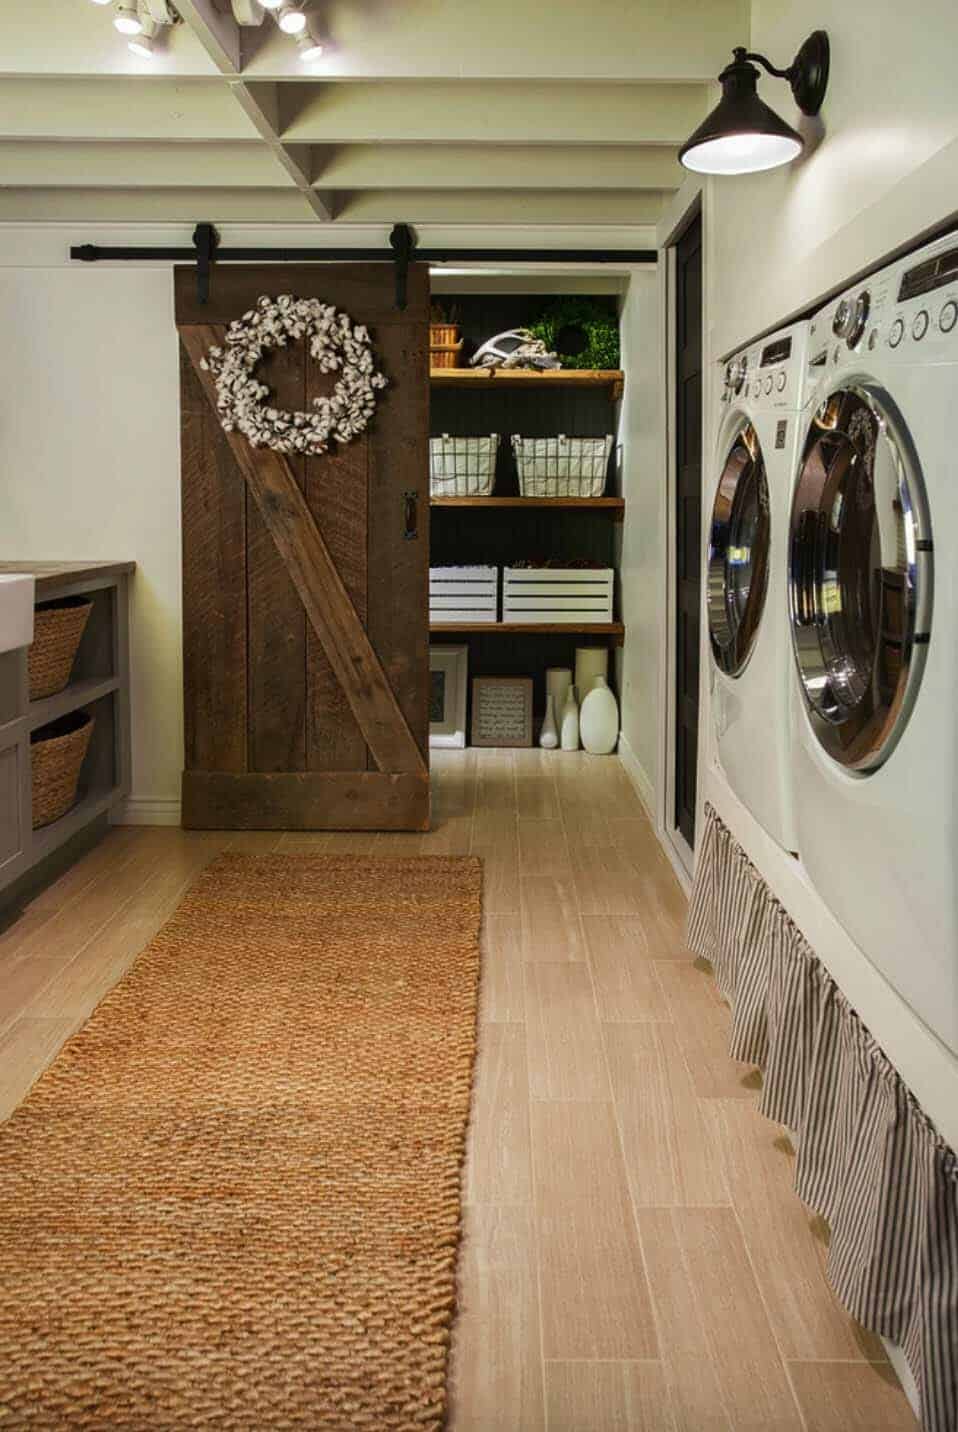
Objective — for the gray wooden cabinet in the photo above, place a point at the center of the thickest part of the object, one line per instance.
(100, 684)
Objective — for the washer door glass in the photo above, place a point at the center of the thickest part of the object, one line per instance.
(738, 553)
(860, 576)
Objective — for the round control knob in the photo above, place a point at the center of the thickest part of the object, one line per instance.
(896, 333)
(920, 325)
(780, 382)
(768, 385)
(843, 318)
(948, 316)
(738, 382)
(859, 317)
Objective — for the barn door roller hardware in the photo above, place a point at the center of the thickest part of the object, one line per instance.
(403, 250)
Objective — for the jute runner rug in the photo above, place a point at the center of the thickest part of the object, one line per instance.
(233, 1201)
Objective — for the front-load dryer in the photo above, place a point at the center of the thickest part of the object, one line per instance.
(873, 597)
(746, 578)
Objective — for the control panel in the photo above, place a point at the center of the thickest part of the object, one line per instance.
(766, 374)
(906, 311)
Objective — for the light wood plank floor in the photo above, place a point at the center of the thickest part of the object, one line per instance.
(634, 1257)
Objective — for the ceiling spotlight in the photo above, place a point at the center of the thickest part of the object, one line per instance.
(103, 2)
(142, 44)
(742, 135)
(291, 20)
(271, 4)
(127, 21)
(309, 49)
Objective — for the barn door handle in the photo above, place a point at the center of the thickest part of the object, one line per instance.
(410, 503)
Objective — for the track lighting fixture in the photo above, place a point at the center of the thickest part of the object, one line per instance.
(103, 2)
(742, 135)
(292, 21)
(142, 44)
(309, 49)
(271, 4)
(127, 20)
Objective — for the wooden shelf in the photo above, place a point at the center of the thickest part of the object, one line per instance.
(88, 808)
(71, 698)
(613, 629)
(481, 378)
(614, 506)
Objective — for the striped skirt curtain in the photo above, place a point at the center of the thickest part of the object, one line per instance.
(869, 1161)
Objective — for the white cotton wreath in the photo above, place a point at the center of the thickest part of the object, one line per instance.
(335, 343)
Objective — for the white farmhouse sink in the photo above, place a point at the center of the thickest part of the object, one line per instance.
(16, 611)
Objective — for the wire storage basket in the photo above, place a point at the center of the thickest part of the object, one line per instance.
(562, 466)
(462, 467)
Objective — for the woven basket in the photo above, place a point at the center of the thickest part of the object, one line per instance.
(56, 755)
(445, 355)
(57, 629)
(444, 335)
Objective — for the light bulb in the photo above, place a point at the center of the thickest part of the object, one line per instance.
(127, 21)
(141, 45)
(291, 21)
(309, 49)
(741, 153)
(271, 4)
(103, 2)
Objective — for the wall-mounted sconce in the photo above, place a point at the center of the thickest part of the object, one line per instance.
(742, 135)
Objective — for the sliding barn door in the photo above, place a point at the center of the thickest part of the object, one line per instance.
(305, 580)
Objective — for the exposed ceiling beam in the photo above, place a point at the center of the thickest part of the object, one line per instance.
(119, 206)
(453, 166)
(261, 106)
(460, 112)
(499, 206)
(121, 108)
(40, 164)
(218, 33)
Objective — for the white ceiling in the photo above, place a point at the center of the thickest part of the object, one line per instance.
(429, 111)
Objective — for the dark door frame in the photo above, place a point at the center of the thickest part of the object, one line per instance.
(679, 850)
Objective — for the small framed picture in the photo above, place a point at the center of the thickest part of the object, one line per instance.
(448, 675)
(502, 711)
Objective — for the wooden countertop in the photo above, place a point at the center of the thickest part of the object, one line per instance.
(51, 575)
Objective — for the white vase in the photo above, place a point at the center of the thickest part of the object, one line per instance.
(569, 727)
(549, 735)
(599, 719)
(590, 662)
(558, 681)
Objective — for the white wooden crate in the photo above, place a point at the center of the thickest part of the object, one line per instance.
(463, 594)
(557, 594)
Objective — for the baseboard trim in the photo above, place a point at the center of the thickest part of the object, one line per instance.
(136, 811)
(646, 793)
(638, 776)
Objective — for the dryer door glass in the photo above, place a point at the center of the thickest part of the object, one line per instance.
(738, 554)
(859, 576)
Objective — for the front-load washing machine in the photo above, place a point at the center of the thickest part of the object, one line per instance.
(746, 580)
(873, 593)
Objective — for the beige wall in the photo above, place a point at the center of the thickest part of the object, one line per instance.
(884, 166)
(89, 467)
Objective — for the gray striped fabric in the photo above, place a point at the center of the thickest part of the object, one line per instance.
(869, 1161)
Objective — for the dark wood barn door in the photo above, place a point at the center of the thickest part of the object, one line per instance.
(305, 580)
(688, 520)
